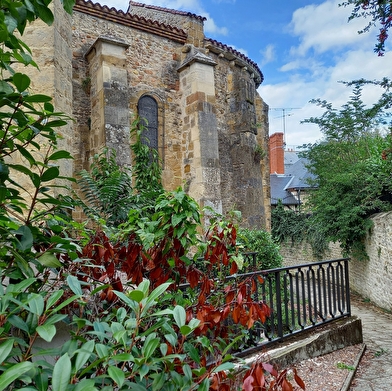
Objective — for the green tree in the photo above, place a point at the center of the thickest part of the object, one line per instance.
(352, 167)
(380, 14)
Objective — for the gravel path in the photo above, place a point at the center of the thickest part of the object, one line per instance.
(335, 372)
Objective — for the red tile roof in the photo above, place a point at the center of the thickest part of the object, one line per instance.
(164, 30)
(171, 11)
(137, 22)
(219, 47)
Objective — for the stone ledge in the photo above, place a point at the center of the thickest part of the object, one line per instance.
(329, 338)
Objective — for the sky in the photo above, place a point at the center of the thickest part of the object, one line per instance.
(304, 48)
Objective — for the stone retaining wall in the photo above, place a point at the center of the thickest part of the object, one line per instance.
(372, 278)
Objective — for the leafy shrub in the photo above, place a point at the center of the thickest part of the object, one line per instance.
(131, 327)
(288, 226)
(262, 243)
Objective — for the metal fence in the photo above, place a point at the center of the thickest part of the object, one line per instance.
(300, 298)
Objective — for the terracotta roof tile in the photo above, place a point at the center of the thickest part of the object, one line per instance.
(134, 21)
(217, 46)
(172, 11)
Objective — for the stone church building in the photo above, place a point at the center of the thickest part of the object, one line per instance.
(210, 126)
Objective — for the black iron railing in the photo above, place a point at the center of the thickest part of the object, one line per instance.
(300, 298)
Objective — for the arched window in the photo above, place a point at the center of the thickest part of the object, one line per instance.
(148, 113)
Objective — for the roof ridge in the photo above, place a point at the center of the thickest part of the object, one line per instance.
(128, 19)
(169, 10)
(238, 54)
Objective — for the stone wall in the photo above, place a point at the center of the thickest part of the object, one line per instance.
(51, 49)
(212, 124)
(296, 254)
(371, 278)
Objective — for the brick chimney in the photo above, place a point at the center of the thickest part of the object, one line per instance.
(276, 150)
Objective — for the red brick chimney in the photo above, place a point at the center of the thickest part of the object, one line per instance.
(276, 150)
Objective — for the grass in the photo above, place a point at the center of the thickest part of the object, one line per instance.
(342, 365)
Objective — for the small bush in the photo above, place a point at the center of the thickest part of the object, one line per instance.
(261, 242)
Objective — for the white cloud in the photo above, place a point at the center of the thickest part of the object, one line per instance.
(325, 27)
(268, 54)
(329, 50)
(211, 28)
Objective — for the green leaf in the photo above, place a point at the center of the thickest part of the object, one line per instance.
(83, 354)
(36, 303)
(55, 319)
(50, 174)
(185, 330)
(175, 219)
(53, 298)
(136, 295)
(137, 387)
(46, 332)
(102, 350)
(5, 349)
(179, 315)
(150, 345)
(18, 323)
(21, 286)
(26, 154)
(44, 13)
(41, 380)
(66, 302)
(25, 238)
(14, 372)
(205, 385)
(86, 385)
(5, 88)
(21, 81)
(4, 172)
(49, 260)
(227, 366)
(193, 352)
(187, 371)
(117, 375)
(60, 155)
(61, 373)
(37, 98)
(158, 291)
(74, 285)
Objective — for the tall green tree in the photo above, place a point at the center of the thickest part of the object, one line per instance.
(380, 14)
(352, 166)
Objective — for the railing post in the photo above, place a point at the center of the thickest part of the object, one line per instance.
(279, 304)
(347, 286)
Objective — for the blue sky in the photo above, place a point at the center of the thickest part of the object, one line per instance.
(304, 48)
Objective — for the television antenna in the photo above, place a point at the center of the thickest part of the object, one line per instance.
(285, 114)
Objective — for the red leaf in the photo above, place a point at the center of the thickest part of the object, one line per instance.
(251, 321)
(286, 386)
(233, 236)
(118, 286)
(261, 279)
(230, 297)
(225, 258)
(193, 277)
(226, 312)
(110, 270)
(270, 369)
(239, 298)
(216, 316)
(236, 314)
(247, 384)
(234, 268)
(298, 380)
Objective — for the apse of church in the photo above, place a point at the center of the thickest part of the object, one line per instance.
(205, 116)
